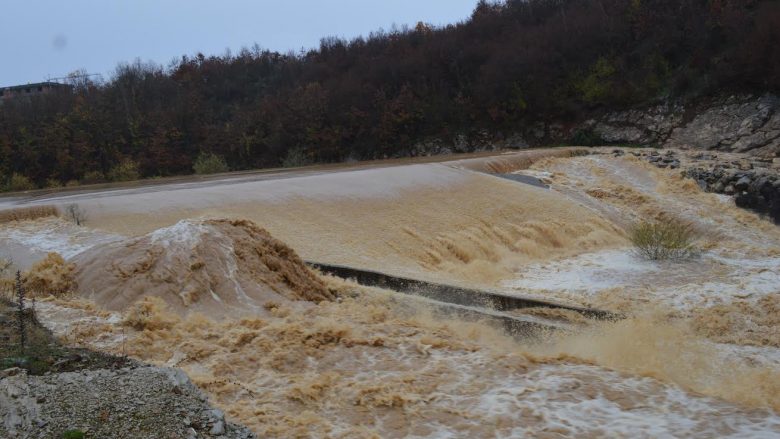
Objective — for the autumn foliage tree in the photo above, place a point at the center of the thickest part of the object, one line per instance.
(509, 65)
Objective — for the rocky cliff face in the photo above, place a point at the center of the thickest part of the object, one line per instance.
(649, 126)
(734, 124)
(748, 124)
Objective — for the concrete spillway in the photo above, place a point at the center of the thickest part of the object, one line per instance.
(465, 302)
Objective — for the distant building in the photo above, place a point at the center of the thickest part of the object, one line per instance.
(28, 90)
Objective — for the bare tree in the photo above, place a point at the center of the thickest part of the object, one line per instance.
(76, 214)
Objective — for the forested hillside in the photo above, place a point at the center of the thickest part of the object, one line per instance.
(510, 65)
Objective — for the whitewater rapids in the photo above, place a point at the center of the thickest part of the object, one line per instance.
(696, 357)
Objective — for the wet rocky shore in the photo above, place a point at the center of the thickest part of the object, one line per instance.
(754, 182)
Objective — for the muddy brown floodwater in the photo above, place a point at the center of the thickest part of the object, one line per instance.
(697, 355)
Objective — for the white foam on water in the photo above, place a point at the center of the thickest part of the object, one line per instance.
(708, 280)
(588, 273)
(39, 237)
(184, 233)
(564, 399)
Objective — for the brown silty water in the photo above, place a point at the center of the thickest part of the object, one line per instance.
(733, 287)
(699, 363)
(216, 267)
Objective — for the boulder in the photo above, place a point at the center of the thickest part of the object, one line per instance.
(743, 183)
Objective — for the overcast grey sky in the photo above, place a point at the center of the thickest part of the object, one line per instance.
(39, 38)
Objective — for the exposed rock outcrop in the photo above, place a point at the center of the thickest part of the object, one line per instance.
(735, 124)
(473, 142)
(743, 123)
(642, 127)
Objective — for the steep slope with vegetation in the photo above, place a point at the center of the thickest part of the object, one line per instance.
(401, 92)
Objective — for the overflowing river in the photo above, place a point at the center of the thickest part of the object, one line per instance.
(698, 354)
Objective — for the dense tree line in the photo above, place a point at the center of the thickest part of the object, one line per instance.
(509, 65)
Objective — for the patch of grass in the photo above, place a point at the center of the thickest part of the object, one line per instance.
(664, 240)
(73, 434)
